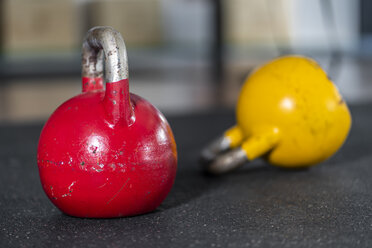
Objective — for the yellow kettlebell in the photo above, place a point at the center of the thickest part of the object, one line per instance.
(289, 112)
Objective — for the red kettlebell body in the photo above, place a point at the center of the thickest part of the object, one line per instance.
(107, 153)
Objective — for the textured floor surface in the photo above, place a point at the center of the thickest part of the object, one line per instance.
(326, 206)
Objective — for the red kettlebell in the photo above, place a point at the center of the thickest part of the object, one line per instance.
(106, 153)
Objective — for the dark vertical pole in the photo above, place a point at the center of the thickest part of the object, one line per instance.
(3, 83)
(217, 43)
(2, 23)
(365, 17)
(329, 21)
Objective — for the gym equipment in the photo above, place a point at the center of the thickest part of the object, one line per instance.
(288, 112)
(106, 153)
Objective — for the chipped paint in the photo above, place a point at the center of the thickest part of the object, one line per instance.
(94, 144)
(293, 95)
(70, 187)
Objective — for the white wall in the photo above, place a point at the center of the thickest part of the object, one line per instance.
(308, 29)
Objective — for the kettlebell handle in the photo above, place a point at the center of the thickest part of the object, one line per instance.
(104, 43)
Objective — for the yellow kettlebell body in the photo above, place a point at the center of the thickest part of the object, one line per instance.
(290, 111)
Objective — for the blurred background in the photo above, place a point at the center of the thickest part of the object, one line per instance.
(185, 56)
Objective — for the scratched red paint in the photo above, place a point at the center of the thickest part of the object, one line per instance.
(101, 155)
